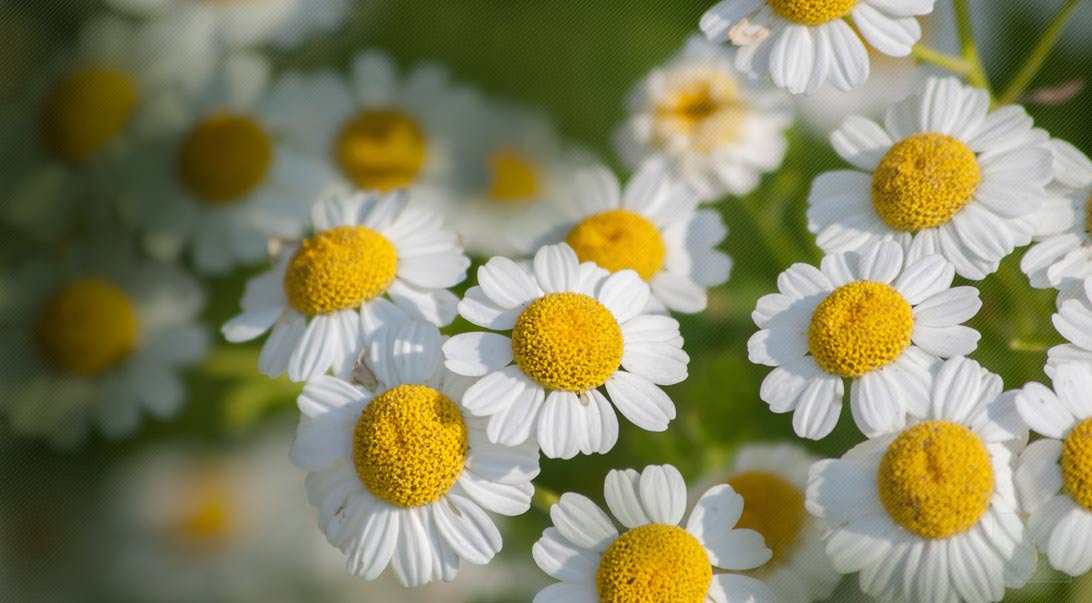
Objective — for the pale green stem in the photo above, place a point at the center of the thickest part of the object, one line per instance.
(943, 60)
(976, 73)
(544, 498)
(1038, 56)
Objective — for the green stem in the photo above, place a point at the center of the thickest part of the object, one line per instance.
(943, 60)
(544, 498)
(785, 250)
(1038, 56)
(976, 73)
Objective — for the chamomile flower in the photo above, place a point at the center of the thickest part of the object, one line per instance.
(929, 512)
(873, 316)
(653, 559)
(943, 175)
(1073, 322)
(1063, 254)
(805, 43)
(574, 328)
(217, 181)
(96, 338)
(325, 292)
(653, 228)
(718, 132)
(401, 474)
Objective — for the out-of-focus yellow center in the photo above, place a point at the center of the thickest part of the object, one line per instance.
(208, 514)
(381, 149)
(772, 507)
(514, 177)
(924, 180)
(224, 157)
(88, 327)
(410, 445)
(704, 107)
(339, 269)
(860, 327)
(1077, 464)
(618, 239)
(85, 110)
(811, 12)
(654, 563)
(567, 341)
(936, 479)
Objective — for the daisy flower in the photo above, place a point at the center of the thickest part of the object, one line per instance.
(325, 292)
(653, 227)
(574, 328)
(872, 316)
(400, 473)
(719, 133)
(944, 175)
(1063, 254)
(96, 338)
(1073, 322)
(654, 559)
(805, 43)
(929, 512)
(217, 181)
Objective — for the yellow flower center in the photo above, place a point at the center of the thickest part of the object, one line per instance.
(381, 149)
(936, 479)
(811, 12)
(1077, 464)
(514, 178)
(410, 445)
(860, 327)
(85, 110)
(339, 269)
(923, 181)
(567, 341)
(705, 108)
(208, 515)
(654, 563)
(772, 507)
(618, 239)
(88, 327)
(224, 157)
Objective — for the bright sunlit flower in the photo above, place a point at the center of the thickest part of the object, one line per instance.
(401, 474)
(574, 329)
(1062, 257)
(929, 512)
(871, 316)
(653, 559)
(805, 43)
(325, 292)
(942, 176)
(718, 132)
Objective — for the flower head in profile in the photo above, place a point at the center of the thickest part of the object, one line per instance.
(1062, 255)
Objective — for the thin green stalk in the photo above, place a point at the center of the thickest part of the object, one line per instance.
(1038, 56)
(943, 60)
(544, 498)
(976, 73)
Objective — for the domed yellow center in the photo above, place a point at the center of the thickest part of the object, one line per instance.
(339, 269)
(224, 157)
(618, 239)
(1077, 464)
(85, 110)
(923, 181)
(567, 341)
(772, 507)
(381, 149)
(514, 177)
(811, 12)
(936, 479)
(654, 563)
(860, 327)
(410, 445)
(704, 107)
(88, 327)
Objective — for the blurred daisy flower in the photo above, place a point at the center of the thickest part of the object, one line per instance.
(944, 175)
(929, 512)
(654, 559)
(96, 338)
(718, 133)
(1062, 257)
(400, 473)
(217, 180)
(325, 292)
(805, 43)
(574, 329)
(653, 227)
(872, 316)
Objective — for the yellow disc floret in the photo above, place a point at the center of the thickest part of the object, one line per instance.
(567, 341)
(923, 181)
(339, 269)
(410, 445)
(812, 12)
(702, 108)
(1077, 464)
(936, 479)
(88, 327)
(381, 149)
(654, 563)
(224, 157)
(207, 513)
(618, 239)
(514, 177)
(85, 110)
(860, 327)
(772, 507)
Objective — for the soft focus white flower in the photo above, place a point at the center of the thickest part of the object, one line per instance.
(1074, 322)
(1062, 255)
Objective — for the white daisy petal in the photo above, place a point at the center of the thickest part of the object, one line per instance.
(512, 425)
(374, 548)
(506, 499)
(734, 588)
(893, 37)
(556, 268)
(861, 142)
(623, 498)
(1037, 477)
(281, 344)
(640, 402)
(624, 294)
(477, 354)
(568, 592)
(467, 529)
(582, 522)
(1043, 412)
(715, 514)
(412, 560)
(663, 494)
(563, 561)
(792, 59)
(562, 427)
(1068, 548)
(482, 311)
(507, 284)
